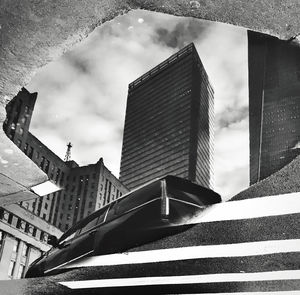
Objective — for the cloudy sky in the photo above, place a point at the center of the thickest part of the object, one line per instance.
(82, 96)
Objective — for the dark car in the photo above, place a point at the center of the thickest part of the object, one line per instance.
(152, 211)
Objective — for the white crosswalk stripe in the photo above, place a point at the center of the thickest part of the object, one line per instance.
(178, 280)
(193, 252)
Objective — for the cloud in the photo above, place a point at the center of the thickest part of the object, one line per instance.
(231, 115)
(184, 32)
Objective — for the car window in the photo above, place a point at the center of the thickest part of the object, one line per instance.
(112, 212)
(98, 219)
(88, 226)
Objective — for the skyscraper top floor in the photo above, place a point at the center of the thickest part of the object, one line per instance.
(190, 48)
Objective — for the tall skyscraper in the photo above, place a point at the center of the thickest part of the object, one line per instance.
(274, 104)
(169, 123)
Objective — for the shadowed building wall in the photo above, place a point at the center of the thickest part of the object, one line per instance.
(169, 123)
(274, 104)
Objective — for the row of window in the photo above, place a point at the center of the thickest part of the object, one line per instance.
(22, 225)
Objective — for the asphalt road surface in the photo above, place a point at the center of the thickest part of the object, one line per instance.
(240, 247)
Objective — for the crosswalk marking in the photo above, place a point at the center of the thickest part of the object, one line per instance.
(179, 280)
(193, 252)
(250, 208)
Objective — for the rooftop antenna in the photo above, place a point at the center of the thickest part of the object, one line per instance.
(68, 153)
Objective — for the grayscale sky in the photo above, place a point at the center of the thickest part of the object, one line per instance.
(82, 96)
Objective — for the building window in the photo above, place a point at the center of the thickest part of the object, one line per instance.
(2, 239)
(34, 230)
(26, 148)
(10, 218)
(25, 250)
(43, 237)
(31, 150)
(28, 228)
(13, 258)
(11, 268)
(47, 166)
(2, 213)
(42, 162)
(23, 261)
(57, 175)
(21, 224)
(40, 205)
(52, 172)
(62, 178)
(16, 246)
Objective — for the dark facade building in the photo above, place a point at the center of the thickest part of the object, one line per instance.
(274, 104)
(169, 123)
(24, 227)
